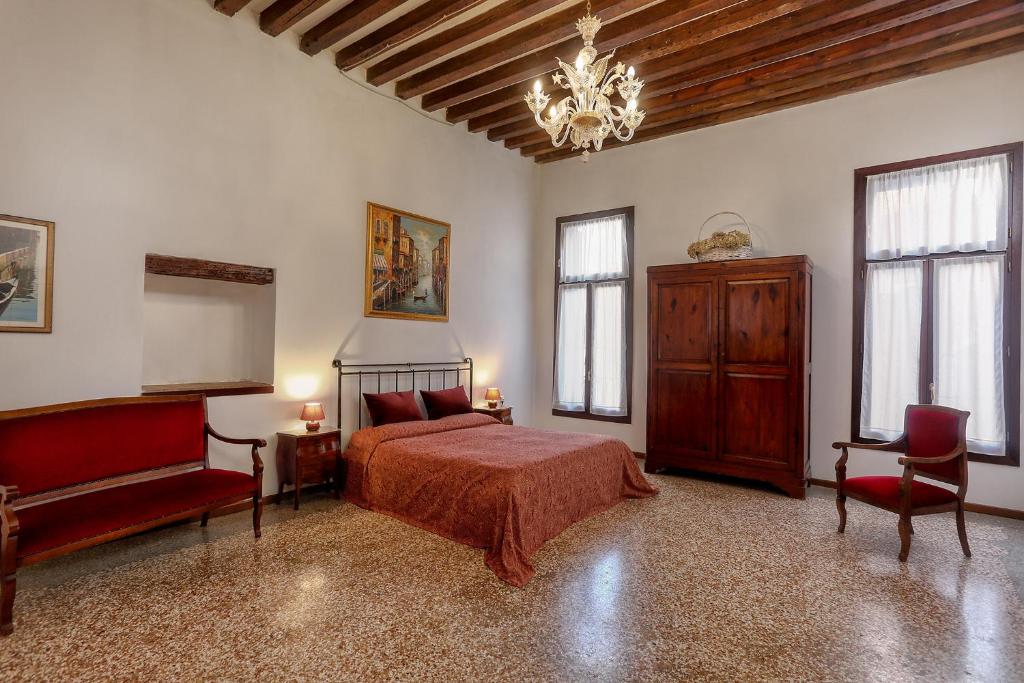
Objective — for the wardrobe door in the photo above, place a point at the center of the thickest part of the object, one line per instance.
(757, 358)
(682, 354)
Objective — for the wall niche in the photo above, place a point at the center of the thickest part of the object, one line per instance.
(208, 327)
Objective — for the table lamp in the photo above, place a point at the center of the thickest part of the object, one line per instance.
(312, 413)
(492, 396)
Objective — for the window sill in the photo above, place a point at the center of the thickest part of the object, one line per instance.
(621, 419)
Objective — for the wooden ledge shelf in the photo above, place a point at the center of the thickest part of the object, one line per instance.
(239, 388)
(178, 266)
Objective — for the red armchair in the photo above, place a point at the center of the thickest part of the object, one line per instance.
(934, 444)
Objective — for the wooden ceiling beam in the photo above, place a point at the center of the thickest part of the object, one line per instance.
(401, 30)
(344, 22)
(535, 36)
(813, 28)
(966, 57)
(983, 21)
(673, 29)
(504, 16)
(781, 85)
(283, 14)
(230, 7)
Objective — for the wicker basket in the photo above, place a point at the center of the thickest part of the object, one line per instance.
(723, 246)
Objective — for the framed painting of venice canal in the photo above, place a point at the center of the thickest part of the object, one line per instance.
(407, 265)
(26, 275)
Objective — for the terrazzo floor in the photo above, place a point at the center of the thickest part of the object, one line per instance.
(707, 581)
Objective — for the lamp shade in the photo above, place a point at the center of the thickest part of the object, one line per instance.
(492, 394)
(312, 412)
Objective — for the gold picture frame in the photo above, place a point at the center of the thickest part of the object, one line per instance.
(26, 274)
(408, 265)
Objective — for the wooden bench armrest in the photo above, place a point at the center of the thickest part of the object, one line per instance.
(8, 494)
(261, 443)
(257, 462)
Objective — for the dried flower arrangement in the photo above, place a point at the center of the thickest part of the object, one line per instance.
(732, 240)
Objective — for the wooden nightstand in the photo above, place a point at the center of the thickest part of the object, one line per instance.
(309, 457)
(503, 413)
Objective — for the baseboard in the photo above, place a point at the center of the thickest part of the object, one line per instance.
(1009, 513)
(267, 500)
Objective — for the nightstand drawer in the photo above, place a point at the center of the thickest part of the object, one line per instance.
(308, 458)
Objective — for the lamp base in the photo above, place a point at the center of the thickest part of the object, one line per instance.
(312, 426)
(492, 404)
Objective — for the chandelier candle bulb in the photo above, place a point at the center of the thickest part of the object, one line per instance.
(586, 117)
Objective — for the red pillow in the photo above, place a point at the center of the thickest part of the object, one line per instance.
(396, 406)
(446, 402)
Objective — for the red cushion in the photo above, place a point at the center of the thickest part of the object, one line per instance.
(886, 490)
(395, 406)
(51, 525)
(931, 433)
(446, 402)
(51, 451)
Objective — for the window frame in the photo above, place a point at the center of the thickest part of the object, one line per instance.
(585, 414)
(1011, 299)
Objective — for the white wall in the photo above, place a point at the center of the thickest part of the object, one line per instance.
(791, 173)
(162, 126)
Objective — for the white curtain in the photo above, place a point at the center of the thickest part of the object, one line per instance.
(956, 206)
(893, 297)
(608, 377)
(968, 345)
(594, 250)
(571, 348)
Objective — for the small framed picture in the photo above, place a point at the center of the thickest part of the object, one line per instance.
(407, 265)
(26, 275)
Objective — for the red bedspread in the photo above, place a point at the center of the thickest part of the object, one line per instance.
(488, 485)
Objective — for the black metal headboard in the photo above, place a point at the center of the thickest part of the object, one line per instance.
(366, 372)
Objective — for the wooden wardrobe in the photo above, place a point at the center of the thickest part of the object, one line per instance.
(729, 363)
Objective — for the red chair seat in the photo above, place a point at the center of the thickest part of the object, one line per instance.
(886, 491)
(51, 525)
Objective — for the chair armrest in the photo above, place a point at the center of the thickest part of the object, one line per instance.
(952, 455)
(897, 446)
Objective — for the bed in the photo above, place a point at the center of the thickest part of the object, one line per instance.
(469, 478)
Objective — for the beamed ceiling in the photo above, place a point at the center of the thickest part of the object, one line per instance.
(705, 62)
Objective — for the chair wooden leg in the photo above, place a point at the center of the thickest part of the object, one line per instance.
(904, 527)
(911, 527)
(841, 506)
(205, 519)
(280, 492)
(961, 529)
(257, 513)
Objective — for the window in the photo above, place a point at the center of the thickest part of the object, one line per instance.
(594, 316)
(937, 295)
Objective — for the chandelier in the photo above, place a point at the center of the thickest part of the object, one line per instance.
(587, 116)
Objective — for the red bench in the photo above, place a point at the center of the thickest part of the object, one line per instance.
(78, 474)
